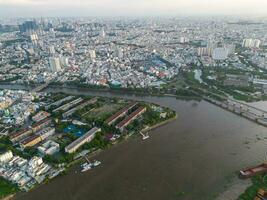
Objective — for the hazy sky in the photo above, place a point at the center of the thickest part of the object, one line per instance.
(22, 8)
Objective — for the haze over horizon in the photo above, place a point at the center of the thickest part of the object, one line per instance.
(36, 8)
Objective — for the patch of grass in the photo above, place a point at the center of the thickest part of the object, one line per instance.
(7, 188)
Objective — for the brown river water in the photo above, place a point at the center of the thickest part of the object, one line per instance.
(191, 158)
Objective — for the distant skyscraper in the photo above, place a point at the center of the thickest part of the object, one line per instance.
(54, 64)
(34, 38)
(184, 40)
(64, 61)
(103, 33)
(205, 51)
(28, 26)
(251, 43)
(92, 54)
(52, 50)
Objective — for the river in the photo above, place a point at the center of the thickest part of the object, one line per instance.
(189, 158)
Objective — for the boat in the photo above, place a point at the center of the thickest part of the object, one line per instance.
(88, 165)
(145, 136)
(252, 171)
(96, 163)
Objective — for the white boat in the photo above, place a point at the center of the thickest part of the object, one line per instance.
(86, 167)
(145, 136)
(96, 163)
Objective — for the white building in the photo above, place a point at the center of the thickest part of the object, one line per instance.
(251, 43)
(34, 38)
(205, 51)
(64, 61)
(49, 148)
(184, 40)
(92, 54)
(5, 157)
(52, 50)
(220, 53)
(55, 64)
(87, 137)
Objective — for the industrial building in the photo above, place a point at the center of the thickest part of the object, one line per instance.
(120, 113)
(59, 102)
(38, 126)
(131, 117)
(20, 135)
(40, 116)
(38, 137)
(31, 141)
(80, 106)
(87, 137)
(17, 136)
(68, 105)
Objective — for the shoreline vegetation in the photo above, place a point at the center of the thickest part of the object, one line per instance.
(7, 189)
(150, 128)
(185, 94)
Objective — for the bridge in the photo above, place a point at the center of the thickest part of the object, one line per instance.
(243, 109)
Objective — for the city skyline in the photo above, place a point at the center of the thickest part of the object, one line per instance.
(35, 8)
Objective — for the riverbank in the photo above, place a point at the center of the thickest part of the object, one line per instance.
(234, 190)
(75, 164)
(9, 197)
(98, 114)
(150, 128)
(181, 152)
(29, 87)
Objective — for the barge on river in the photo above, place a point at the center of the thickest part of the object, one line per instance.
(252, 171)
